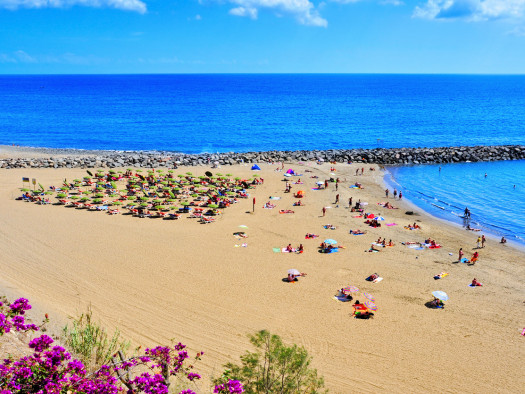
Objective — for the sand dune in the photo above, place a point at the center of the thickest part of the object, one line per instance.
(157, 279)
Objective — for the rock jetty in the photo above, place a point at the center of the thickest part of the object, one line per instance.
(63, 158)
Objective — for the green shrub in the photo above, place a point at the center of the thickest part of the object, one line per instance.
(90, 342)
(274, 368)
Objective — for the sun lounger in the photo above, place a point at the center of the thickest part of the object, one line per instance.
(205, 219)
(172, 216)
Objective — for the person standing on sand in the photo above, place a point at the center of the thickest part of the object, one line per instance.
(337, 199)
(386, 192)
(395, 193)
(326, 184)
(350, 202)
(357, 172)
(336, 186)
(478, 242)
(460, 255)
(483, 240)
(324, 211)
(400, 195)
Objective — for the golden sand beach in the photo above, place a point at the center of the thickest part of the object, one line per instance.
(156, 279)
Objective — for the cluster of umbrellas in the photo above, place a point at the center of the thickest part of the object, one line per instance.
(155, 190)
(369, 302)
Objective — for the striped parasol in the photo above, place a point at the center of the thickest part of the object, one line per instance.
(370, 305)
(351, 289)
(369, 296)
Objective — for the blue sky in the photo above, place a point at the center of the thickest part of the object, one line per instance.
(279, 36)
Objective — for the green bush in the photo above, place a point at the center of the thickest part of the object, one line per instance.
(90, 342)
(274, 368)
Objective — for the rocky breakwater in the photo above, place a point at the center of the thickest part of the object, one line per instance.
(393, 156)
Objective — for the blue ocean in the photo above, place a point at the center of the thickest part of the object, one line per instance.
(220, 113)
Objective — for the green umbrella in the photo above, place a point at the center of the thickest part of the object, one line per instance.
(229, 175)
(139, 170)
(143, 204)
(48, 193)
(75, 197)
(131, 198)
(97, 201)
(99, 195)
(61, 195)
(117, 202)
(144, 198)
(189, 173)
(84, 199)
(185, 203)
(25, 190)
(213, 206)
(171, 200)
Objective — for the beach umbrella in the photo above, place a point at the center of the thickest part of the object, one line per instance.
(97, 200)
(294, 271)
(213, 206)
(330, 241)
(229, 175)
(49, 192)
(379, 218)
(143, 204)
(61, 195)
(185, 203)
(25, 190)
(370, 305)
(369, 296)
(189, 173)
(351, 289)
(75, 197)
(84, 199)
(440, 295)
(117, 203)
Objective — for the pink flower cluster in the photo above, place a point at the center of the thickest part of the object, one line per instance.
(51, 369)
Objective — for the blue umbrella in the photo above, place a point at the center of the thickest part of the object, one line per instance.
(440, 295)
(330, 241)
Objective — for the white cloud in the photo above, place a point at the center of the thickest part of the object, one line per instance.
(303, 10)
(471, 10)
(128, 5)
(22, 57)
(242, 11)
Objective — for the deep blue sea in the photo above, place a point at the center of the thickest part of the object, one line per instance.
(220, 113)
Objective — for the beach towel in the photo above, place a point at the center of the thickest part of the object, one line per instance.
(283, 250)
(341, 298)
(376, 280)
(275, 198)
(471, 285)
(391, 224)
(276, 250)
(243, 245)
(357, 234)
(465, 260)
(334, 250)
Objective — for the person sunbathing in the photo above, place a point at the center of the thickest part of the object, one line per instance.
(298, 204)
(372, 277)
(476, 283)
(289, 248)
(310, 236)
(300, 249)
(372, 249)
(503, 240)
(437, 303)
(357, 232)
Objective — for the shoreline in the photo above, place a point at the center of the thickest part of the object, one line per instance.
(389, 183)
(158, 279)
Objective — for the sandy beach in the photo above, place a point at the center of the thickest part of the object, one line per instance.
(156, 279)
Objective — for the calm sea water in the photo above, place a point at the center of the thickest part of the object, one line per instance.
(219, 113)
(495, 200)
(196, 113)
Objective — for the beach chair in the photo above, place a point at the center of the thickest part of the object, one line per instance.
(172, 216)
(205, 220)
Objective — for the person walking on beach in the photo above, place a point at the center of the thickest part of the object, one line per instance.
(336, 186)
(483, 239)
(400, 195)
(467, 212)
(350, 202)
(326, 184)
(324, 211)
(460, 255)
(478, 242)
(362, 170)
(395, 193)
(357, 172)
(386, 193)
(337, 199)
